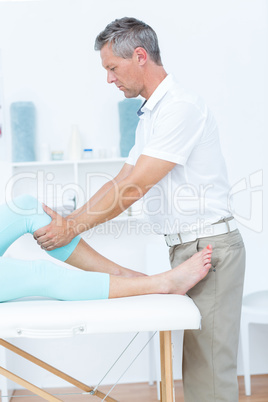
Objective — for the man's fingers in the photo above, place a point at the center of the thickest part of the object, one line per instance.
(49, 211)
(46, 238)
(40, 232)
(50, 237)
(45, 243)
(49, 248)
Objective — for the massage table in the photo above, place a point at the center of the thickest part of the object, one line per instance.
(47, 318)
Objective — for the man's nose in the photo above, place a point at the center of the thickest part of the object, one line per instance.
(110, 77)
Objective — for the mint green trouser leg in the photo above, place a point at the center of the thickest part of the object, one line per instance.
(25, 215)
(19, 278)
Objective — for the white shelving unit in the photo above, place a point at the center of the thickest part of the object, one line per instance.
(68, 162)
(109, 166)
(50, 180)
(75, 170)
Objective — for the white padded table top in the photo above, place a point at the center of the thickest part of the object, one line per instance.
(47, 318)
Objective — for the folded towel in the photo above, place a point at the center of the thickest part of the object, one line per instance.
(23, 127)
(128, 120)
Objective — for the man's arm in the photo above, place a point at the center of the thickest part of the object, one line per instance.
(124, 172)
(131, 184)
(60, 226)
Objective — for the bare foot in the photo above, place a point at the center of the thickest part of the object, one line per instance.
(189, 273)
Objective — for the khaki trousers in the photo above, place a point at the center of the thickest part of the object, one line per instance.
(210, 355)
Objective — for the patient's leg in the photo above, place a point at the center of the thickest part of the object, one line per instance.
(25, 215)
(88, 259)
(19, 278)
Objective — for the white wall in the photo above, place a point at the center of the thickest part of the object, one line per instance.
(217, 48)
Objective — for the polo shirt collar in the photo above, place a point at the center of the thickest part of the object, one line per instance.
(140, 112)
(158, 94)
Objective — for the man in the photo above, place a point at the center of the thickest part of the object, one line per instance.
(177, 166)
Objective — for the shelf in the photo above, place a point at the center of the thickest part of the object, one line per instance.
(37, 163)
(68, 162)
(106, 160)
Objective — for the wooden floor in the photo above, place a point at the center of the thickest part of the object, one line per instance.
(146, 393)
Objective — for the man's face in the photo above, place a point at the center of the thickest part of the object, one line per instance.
(124, 73)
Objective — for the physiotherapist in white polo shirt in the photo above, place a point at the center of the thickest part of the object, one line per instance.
(177, 165)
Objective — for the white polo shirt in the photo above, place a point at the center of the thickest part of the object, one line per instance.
(177, 126)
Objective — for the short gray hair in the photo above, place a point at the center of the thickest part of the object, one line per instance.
(126, 34)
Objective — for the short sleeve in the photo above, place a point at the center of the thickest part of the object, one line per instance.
(132, 157)
(177, 130)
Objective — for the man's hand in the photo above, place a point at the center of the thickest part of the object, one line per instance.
(57, 234)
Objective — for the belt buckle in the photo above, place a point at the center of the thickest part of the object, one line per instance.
(173, 239)
(167, 240)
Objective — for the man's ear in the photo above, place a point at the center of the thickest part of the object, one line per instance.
(141, 55)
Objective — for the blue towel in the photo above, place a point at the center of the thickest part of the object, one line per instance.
(128, 121)
(23, 127)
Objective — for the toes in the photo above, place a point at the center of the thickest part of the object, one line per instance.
(207, 260)
(206, 254)
(208, 266)
(207, 251)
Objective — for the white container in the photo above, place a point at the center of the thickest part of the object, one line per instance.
(57, 155)
(75, 147)
(88, 153)
(44, 152)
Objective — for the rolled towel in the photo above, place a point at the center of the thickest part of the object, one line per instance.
(128, 120)
(23, 128)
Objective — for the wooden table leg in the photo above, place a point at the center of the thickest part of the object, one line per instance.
(36, 390)
(49, 368)
(167, 386)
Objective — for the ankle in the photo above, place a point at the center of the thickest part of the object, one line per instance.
(164, 283)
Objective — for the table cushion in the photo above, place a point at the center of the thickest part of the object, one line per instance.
(47, 318)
